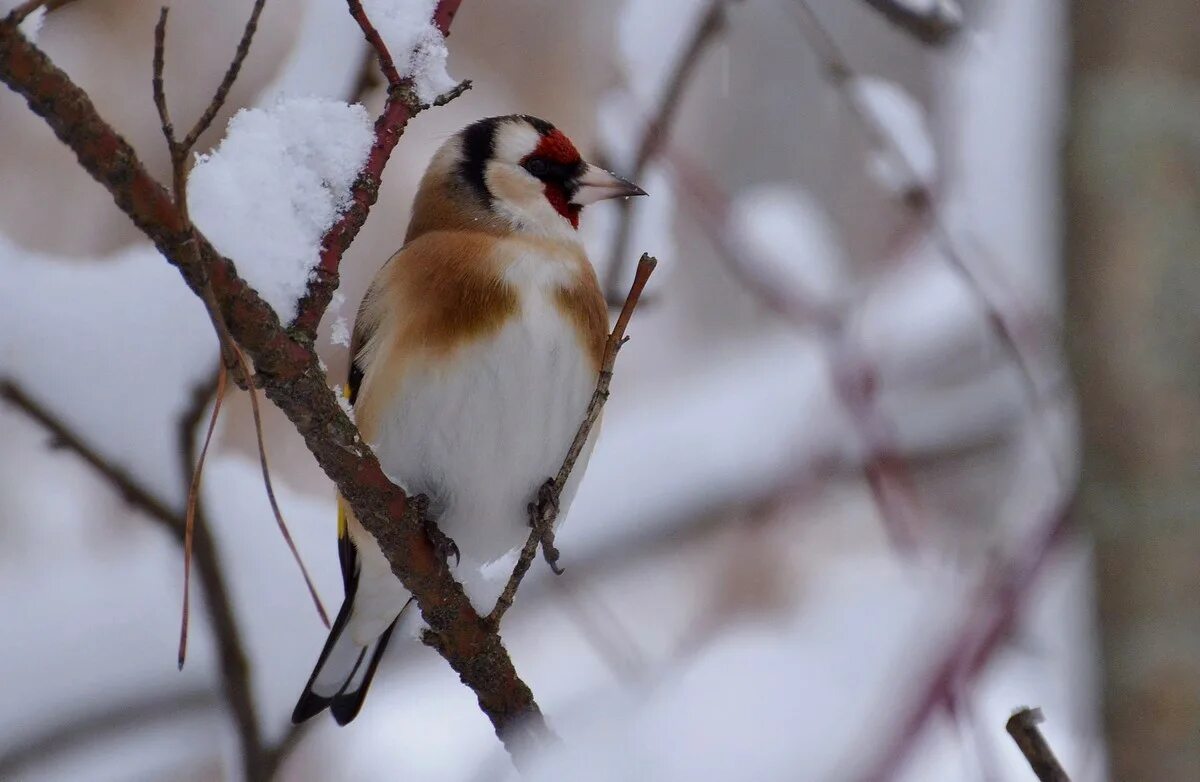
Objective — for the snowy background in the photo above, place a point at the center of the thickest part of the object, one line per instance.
(819, 464)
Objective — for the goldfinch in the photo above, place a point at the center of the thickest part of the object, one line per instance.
(474, 355)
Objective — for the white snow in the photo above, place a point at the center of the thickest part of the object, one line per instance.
(946, 10)
(32, 24)
(913, 160)
(787, 236)
(326, 59)
(276, 183)
(416, 45)
(339, 332)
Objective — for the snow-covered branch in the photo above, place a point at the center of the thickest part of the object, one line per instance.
(406, 88)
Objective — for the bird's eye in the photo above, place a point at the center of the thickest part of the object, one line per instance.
(537, 166)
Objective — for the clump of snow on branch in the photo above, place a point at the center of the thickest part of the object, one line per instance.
(276, 183)
(788, 239)
(909, 160)
(414, 41)
(339, 333)
(945, 11)
(32, 24)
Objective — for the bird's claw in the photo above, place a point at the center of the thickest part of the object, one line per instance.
(443, 544)
(544, 513)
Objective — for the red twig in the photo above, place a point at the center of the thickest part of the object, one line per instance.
(375, 40)
(401, 106)
(991, 618)
(885, 471)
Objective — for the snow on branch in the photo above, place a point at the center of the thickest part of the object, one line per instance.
(404, 102)
(277, 182)
(932, 22)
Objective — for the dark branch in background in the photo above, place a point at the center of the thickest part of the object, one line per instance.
(1023, 727)
(544, 512)
(140, 712)
(918, 196)
(62, 437)
(655, 136)
(884, 471)
(934, 24)
(1005, 584)
(401, 106)
(235, 679)
(292, 376)
(1004, 589)
(235, 670)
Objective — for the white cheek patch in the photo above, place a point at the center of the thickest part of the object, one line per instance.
(514, 141)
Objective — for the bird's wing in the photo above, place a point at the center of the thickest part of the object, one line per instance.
(347, 554)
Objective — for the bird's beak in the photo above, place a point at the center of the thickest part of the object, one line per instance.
(596, 184)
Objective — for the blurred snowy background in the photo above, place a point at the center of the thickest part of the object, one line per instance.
(821, 537)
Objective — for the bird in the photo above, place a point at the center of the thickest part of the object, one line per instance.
(474, 354)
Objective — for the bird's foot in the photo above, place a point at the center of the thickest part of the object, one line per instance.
(443, 545)
(543, 515)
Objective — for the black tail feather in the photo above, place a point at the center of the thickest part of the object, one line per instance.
(345, 704)
(311, 704)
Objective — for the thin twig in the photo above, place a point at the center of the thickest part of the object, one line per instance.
(63, 437)
(187, 424)
(1003, 591)
(1023, 727)
(234, 667)
(266, 475)
(544, 512)
(656, 133)
(401, 106)
(160, 92)
(375, 40)
(231, 74)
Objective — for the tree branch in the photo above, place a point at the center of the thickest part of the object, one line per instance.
(656, 133)
(292, 378)
(401, 105)
(544, 512)
(1023, 727)
(139, 711)
(1003, 591)
(62, 437)
(231, 74)
(235, 678)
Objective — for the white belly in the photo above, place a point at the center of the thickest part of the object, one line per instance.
(479, 434)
